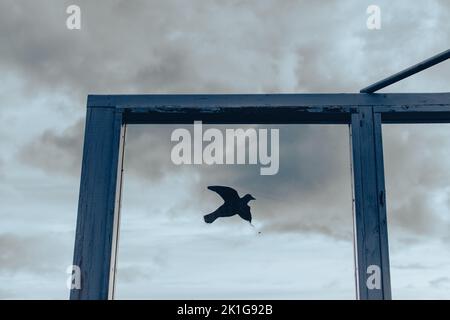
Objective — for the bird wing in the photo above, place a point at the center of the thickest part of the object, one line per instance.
(227, 193)
(246, 214)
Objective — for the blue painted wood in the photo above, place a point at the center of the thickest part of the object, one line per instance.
(246, 115)
(267, 100)
(382, 214)
(276, 108)
(97, 207)
(370, 227)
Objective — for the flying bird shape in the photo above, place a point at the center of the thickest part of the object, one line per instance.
(233, 205)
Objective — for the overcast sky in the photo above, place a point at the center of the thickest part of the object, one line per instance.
(47, 71)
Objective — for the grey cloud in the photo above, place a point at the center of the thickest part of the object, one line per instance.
(215, 47)
(4, 294)
(133, 273)
(2, 164)
(166, 46)
(15, 252)
(33, 253)
(147, 153)
(416, 215)
(441, 283)
(147, 270)
(231, 47)
(410, 266)
(56, 152)
(416, 171)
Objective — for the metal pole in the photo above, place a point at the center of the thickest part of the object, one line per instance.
(407, 72)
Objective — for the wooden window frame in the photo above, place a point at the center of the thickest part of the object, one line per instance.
(98, 218)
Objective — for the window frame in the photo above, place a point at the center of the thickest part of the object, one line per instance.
(98, 220)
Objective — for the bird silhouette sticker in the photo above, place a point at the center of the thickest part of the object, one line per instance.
(233, 205)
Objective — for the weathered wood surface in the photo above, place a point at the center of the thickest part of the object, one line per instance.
(268, 100)
(276, 108)
(370, 227)
(97, 207)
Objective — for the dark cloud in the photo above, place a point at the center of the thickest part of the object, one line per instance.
(254, 46)
(251, 46)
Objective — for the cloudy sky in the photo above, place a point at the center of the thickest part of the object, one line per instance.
(304, 212)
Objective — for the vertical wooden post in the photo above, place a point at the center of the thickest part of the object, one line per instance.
(371, 238)
(99, 203)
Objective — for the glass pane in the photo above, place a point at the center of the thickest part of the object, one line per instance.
(300, 244)
(418, 203)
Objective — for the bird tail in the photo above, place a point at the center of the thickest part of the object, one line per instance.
(210, 218)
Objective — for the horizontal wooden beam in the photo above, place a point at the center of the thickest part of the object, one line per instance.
(243, 115)
(267, 100)
(276, 108)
